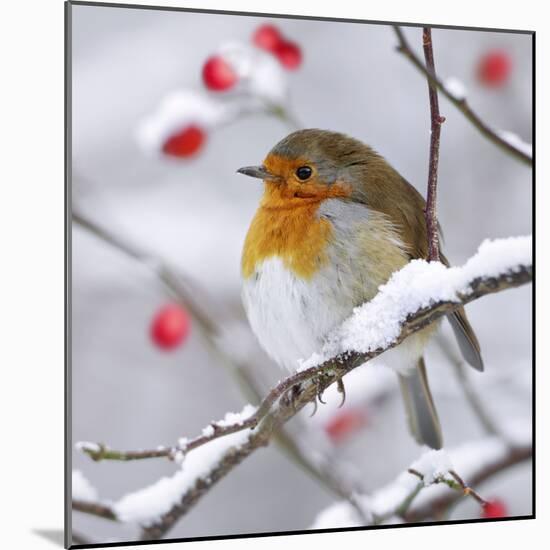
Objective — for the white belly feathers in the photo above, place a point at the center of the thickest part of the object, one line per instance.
(290, 316)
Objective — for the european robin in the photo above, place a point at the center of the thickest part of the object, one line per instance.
(335, 221)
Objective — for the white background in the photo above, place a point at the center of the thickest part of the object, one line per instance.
(32, 236)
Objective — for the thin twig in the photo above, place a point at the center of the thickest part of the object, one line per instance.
(436, 121)
(461, 104)
(468, 491)
(474, 399)
(95, 509)
(456, 484)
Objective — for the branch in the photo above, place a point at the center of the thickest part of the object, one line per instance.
(436, 121)
(296, 391)
(462, 105)
(329, 371)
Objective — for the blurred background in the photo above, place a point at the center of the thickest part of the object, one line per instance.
(165, 107)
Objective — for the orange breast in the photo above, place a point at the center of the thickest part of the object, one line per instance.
(291, 232)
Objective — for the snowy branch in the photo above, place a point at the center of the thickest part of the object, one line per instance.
(507, 141)
(418, 295)
(431, 484)
(436, 121)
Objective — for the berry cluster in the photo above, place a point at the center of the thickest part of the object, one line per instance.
(250, 77)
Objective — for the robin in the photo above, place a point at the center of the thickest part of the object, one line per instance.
(335, 221)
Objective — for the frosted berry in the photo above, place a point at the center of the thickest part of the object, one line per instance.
(289, 54)
(494, 68)
(170, 327)
(344, 423)
(267, 37)
(185, 143)
(218, 75)
(495, 509)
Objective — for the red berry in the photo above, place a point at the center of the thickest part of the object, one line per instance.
(218, 75)
(344, 423)
(184, 143)
(494, 68)
(289, 54)
(495, 509)
(267, 37)
(170, 326)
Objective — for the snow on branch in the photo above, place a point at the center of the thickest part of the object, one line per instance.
(455, 92)
(414, 297)
(430, 484)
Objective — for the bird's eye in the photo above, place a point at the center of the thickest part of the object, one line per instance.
(304, 172)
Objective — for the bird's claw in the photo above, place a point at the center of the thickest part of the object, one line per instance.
(342, 390)
(319, 392)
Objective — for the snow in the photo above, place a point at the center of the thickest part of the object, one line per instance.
(516, 141)
(229, 419)
(377, 324)
(176, 111)
(150, 503)
(84, 446)
(433, 465)
(260, 74)
(82, 489)
(455, 87)
(236, 418)
(338, 515)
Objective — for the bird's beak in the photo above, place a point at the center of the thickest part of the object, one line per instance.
(257, 172)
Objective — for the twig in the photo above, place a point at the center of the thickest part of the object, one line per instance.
(95, 509)
(468, 491)
(179, 287)
(461, 104)
(436, 121)
(475, 401)
(456, 484)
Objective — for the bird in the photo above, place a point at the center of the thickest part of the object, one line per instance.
(334, 222)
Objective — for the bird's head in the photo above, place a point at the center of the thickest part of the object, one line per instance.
(313, 165)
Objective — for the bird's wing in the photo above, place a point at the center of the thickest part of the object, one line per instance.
(404, 205)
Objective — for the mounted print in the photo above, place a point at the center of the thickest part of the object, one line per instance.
(300, 274)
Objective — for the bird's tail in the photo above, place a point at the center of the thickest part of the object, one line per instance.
(420, 408)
